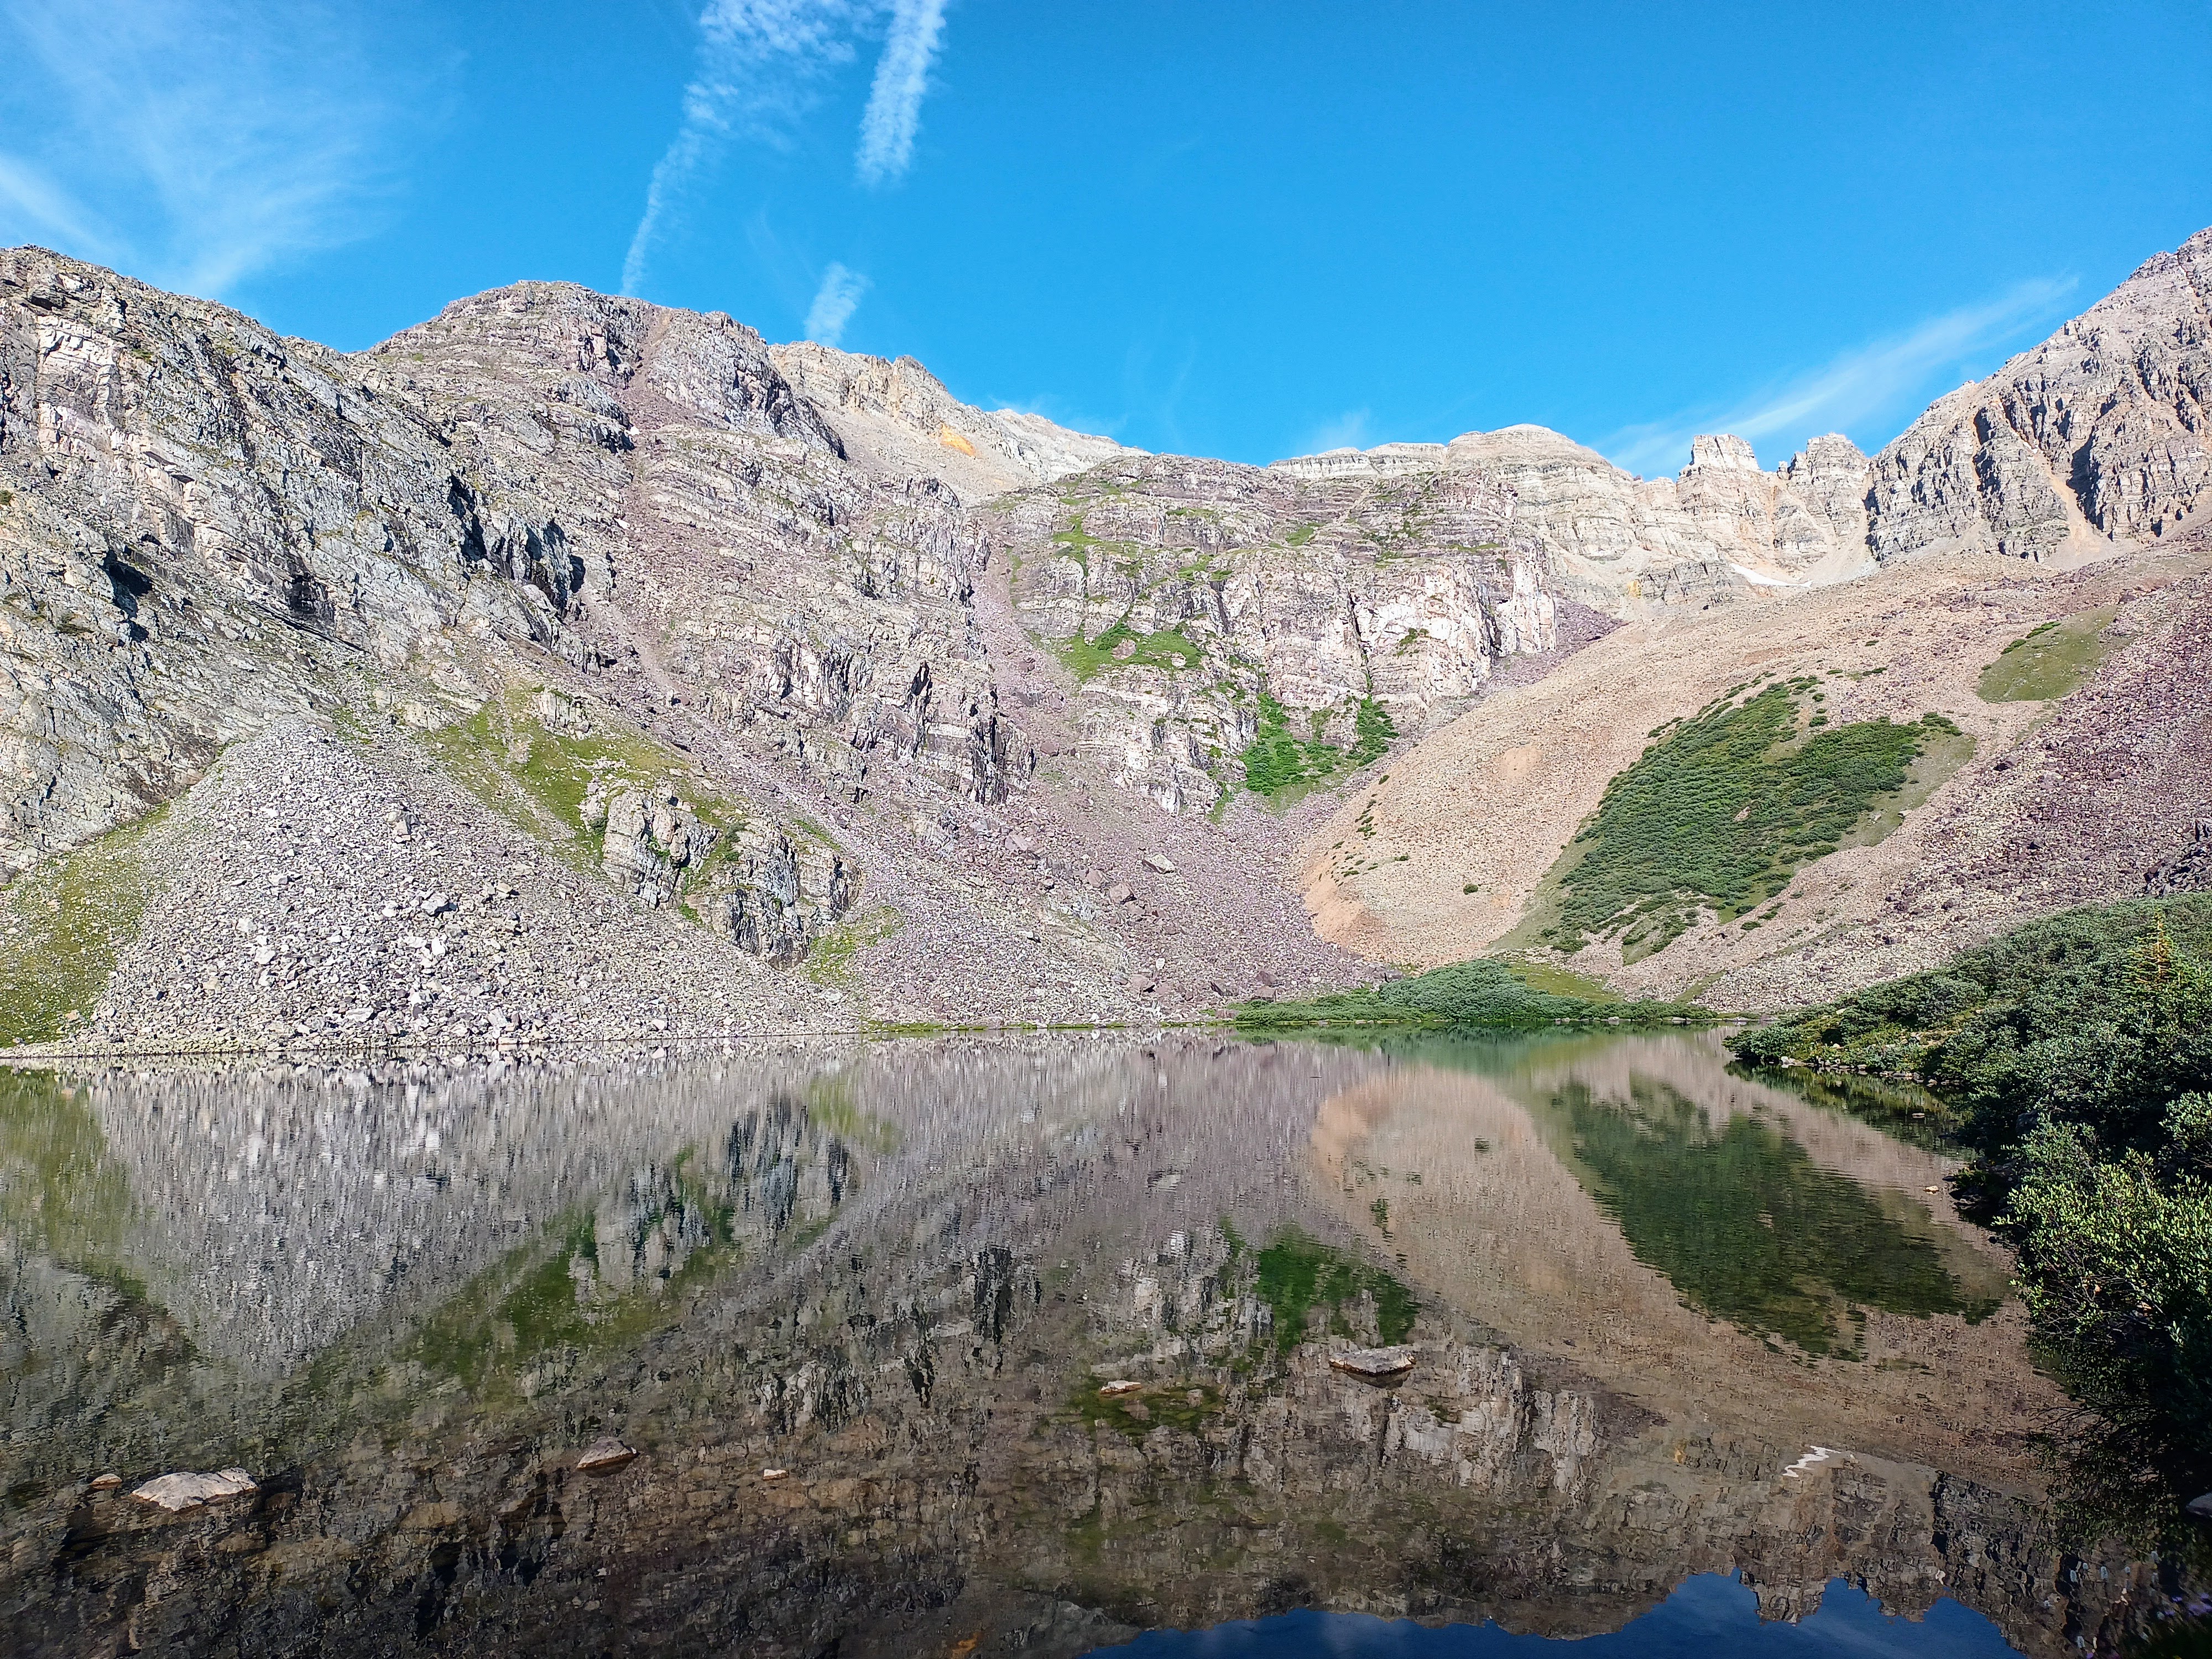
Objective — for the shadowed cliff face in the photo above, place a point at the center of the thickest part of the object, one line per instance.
(407, 1301)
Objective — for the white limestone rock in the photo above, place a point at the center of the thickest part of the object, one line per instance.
(185, 1490)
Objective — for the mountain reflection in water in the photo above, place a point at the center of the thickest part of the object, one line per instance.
(856, 1313)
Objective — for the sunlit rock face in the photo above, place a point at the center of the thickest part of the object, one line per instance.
(541, 480)
(1201, 604)
(897, 417)
(1032, 1338)
(1626, 546)
(2095, 437)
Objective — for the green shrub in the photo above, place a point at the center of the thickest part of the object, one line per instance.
(1719, 813)
(1275, 760)
(1479, 995)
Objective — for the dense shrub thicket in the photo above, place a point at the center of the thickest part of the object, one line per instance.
(1463, 996)
(1275, 759)
(1720, 811)
(2078, 1050)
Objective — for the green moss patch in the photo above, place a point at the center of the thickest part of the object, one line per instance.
(62, 924)
(1718, 814)
(2048, 662)
(536, 777)
(833, 959)
(1166, 648)
(1295, 1275)
(1479, 995)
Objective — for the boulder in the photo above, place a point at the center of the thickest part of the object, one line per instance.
(187, 1491)
(604, 1454)
(1374, 1364)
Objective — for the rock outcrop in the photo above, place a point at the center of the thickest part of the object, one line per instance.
(897, 417)
(1626, 545)
(2102, 435)
(1205, 606)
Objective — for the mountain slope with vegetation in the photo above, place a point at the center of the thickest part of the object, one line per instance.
(2041, 778)
(800, 633)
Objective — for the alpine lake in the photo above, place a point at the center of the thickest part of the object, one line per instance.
(1048, 1343)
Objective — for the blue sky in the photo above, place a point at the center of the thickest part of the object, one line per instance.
(1236, 230)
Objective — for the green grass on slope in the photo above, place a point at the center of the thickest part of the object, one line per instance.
(1276, 761)
(1718, 814)
(1477, 996)
(833, 959)
(1165, 649)
(537, 776)
(61, 924)
(2048, 662)
(2078, 1050)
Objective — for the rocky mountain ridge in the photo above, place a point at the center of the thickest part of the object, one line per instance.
(962, 712)
(2090, 443)
(1629, 546)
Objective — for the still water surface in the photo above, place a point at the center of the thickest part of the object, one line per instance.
(965, 1347)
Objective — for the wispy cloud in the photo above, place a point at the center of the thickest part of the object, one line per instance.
(1347, 431)
(34, 203)
(834, 304)
(1859, 386)
(894, 111)
(762, 65)
(202, 140)
(759, 65)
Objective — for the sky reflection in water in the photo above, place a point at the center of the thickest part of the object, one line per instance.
(1706, 1615)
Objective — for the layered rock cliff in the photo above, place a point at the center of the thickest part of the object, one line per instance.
(778, 641)
(604, 567)
(1217, 614)
(1626, 545)
(2101, 435)
(2096, 441)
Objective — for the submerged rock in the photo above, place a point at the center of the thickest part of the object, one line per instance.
(605, 1454)
(185, 1490)
(1373, 1364)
